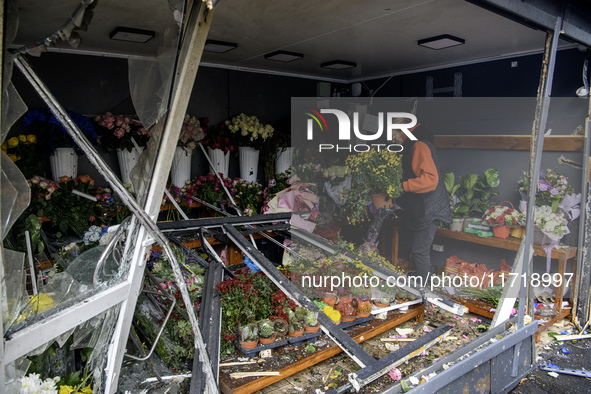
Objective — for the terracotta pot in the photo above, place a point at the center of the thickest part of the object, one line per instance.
(363, 314)
(349, 318)
(380, 305)
(381, 200)
(297, 333)
(330, 300)
(268, 341)
(363, 306)
(312, 329)
(501, 231)
(249, 345)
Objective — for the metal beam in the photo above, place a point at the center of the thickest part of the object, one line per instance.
(195, 224)
(210, 319)
(543, 13)
(30, 338)
(581, 302)
(343, 340)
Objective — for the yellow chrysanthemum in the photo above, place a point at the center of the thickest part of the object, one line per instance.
(32, 138)
(12, 157)
(22, 138)
(12, 142)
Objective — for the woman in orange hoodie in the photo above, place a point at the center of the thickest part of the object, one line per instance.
(424, 202)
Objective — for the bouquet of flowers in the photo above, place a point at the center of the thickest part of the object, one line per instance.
(23, 151)
(118, 132)
(51, 134)
(249, 131)
(191, 132)
(503, 216)
(219, 138)
(247, 195)
(553, 224)
(552, 188)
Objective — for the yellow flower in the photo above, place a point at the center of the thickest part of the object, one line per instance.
(32, 138)
(4, 146)
(12, 157)
(86, 390)
(22, 138)
(12, 142)
(66, 389)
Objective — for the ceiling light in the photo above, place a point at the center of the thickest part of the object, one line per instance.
(338, 64)
(219, 46)
(442, 41)
(283, 56)
(132, 35)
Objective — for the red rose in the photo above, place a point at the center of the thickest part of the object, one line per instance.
(500, 219)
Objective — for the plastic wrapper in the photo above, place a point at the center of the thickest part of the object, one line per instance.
(14, 295)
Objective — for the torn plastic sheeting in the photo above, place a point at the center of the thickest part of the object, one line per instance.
(14, 295)
(16, 194)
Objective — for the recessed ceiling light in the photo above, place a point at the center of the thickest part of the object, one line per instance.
(219, 46)
(132, 35)
(441, 42)
(338, 64)
(283, 56)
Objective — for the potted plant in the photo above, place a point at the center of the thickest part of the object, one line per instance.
(458, 211)
(280, 326)
(311, 324)
(347, 307)
(364, 308)
(333, 314)
(267, 333)
(296, 328)
(382, 302)
(249, 336)
(375, 173)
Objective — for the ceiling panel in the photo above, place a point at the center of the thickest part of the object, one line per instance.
(380, 36)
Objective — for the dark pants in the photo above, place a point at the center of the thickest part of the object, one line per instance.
(418, 244)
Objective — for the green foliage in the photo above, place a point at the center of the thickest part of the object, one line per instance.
(249, 332)
(472, 195)
(266, 328)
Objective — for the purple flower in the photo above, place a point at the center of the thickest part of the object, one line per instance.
(554, 191)
(544, 185)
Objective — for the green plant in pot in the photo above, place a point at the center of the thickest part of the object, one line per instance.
(301, 313)
(249, 336)
(458, 211)
(280, 326)
(484, 192)
(382, 302)
(311, 322)
(296, 328)
(266, 331)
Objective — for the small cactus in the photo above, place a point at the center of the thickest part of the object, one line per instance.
(266, 328)
(301, 313)
(295, 325)
(280, 326)
(249, 332)
(311, 319)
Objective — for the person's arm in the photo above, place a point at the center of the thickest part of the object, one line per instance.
(423, 166)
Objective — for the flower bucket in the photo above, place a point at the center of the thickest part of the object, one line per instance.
(249, 163)
(381, 200)
(180, 171)
(64, 162)
(220, 161)
(284, 159)
(501, 231)
(128, 160)
(456, 224)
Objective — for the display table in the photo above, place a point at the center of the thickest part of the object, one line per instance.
(562, 255)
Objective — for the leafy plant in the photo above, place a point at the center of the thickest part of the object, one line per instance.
(266, 328)
(311, 319)
(249, 332)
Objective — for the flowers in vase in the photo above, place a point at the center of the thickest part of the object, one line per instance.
(23, 151)
(219, 138)
(247, 195)
(503, 216)
(191, 132)
(249, 131)
(51, 134)
(553, 224)
(119, 132)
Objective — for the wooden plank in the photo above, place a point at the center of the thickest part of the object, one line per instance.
(507, 243)
(556, 143)
(314, 359)
(572, 337)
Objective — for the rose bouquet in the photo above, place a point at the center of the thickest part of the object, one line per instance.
(249, 131)
(119, 132)
(23, 151)
(219, 138)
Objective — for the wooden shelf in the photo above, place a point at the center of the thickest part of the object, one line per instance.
(507, 243)
(556, 143)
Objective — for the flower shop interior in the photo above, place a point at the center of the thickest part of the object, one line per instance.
(154, 157)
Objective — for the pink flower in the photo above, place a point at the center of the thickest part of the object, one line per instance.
(119, 133)
(395, 374)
